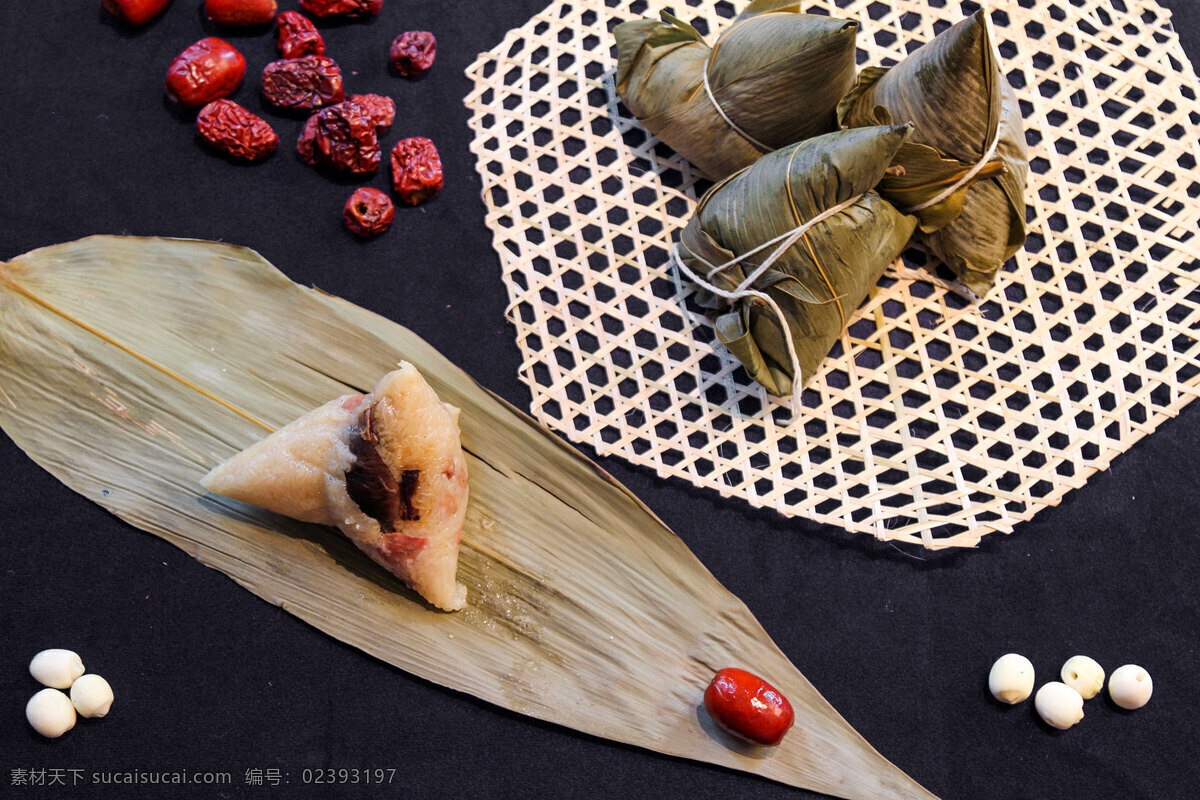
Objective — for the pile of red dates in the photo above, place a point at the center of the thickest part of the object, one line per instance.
(342, 134)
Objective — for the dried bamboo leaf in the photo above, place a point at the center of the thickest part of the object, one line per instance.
(819, 281)
(953, 91)
(777, 75)
(129, 367)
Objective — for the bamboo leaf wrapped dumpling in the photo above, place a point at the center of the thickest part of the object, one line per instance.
(810, 207)
(775, 77)
(965, 165)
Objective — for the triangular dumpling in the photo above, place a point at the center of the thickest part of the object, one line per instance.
(387, 468)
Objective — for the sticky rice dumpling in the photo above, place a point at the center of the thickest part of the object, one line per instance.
(967, 134)
(807, 294)
(387, 468)
(774, 77)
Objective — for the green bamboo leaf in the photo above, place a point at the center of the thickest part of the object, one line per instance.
(776, 74)
(819, 281)
(657, 54)
(954, 93)
(681, 30)
(129, 367)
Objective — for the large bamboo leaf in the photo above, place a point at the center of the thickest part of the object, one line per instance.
(129, 367)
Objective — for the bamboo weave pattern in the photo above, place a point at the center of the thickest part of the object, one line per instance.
(936, 420)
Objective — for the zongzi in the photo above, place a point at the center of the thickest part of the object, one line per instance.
(774, 77)
(386, 468)
(965, 164)
(787, 249)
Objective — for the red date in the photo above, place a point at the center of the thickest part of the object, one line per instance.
(134, 12)
(369, 212)
(240, 12)
(209, 69)
(416, 170)
(308, 82)
(342, 137)
(235, 131)
(382, 109)
(306, 145)
(342, 8)
(748, 707)
(412, 52)
(298, 36)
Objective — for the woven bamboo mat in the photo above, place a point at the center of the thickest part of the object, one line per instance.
(936, 421)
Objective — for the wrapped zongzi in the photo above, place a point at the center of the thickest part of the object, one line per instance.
(785, 250)
(965, 164)
(774, 77)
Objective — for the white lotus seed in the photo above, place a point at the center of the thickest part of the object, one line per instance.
(50, 713)
(1083, 675)
(57, 669)
(1059, 705)
(1011, 678)
(1130, 686)
(92, 696)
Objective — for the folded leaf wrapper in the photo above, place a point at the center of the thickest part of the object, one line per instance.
(819, 281)
(130, 367)
(954, 93)
(775, 77)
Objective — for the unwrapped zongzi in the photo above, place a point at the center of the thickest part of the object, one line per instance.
(773, 77)
(965, 164)
(787, 249)
(386, 467)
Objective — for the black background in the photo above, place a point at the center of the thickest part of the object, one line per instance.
(209, 677)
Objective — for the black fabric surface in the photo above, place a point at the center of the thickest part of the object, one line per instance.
(210, 678)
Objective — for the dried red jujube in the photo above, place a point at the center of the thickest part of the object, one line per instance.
(306, 145)
(236, 131)
(209, 69)
(134, 12)
(342, 137)
(308, 82)
(240, 12)
(416, 170)
(412, 52)
(298, 36)
(369, 212)
(382, 109)
(342, 8)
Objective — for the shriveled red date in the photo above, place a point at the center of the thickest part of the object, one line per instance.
(306, 145)
(341, 137)
(382, 109)
(298, 36)
(416, 170)
(412, 52)
(209, 69)
(239, 13)
(342, 8)
(307, 82)
(369, 212)
(134, 12)
(236, 131)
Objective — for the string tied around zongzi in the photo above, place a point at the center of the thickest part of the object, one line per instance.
(965, 180)
(782, 243)
(708, 91)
